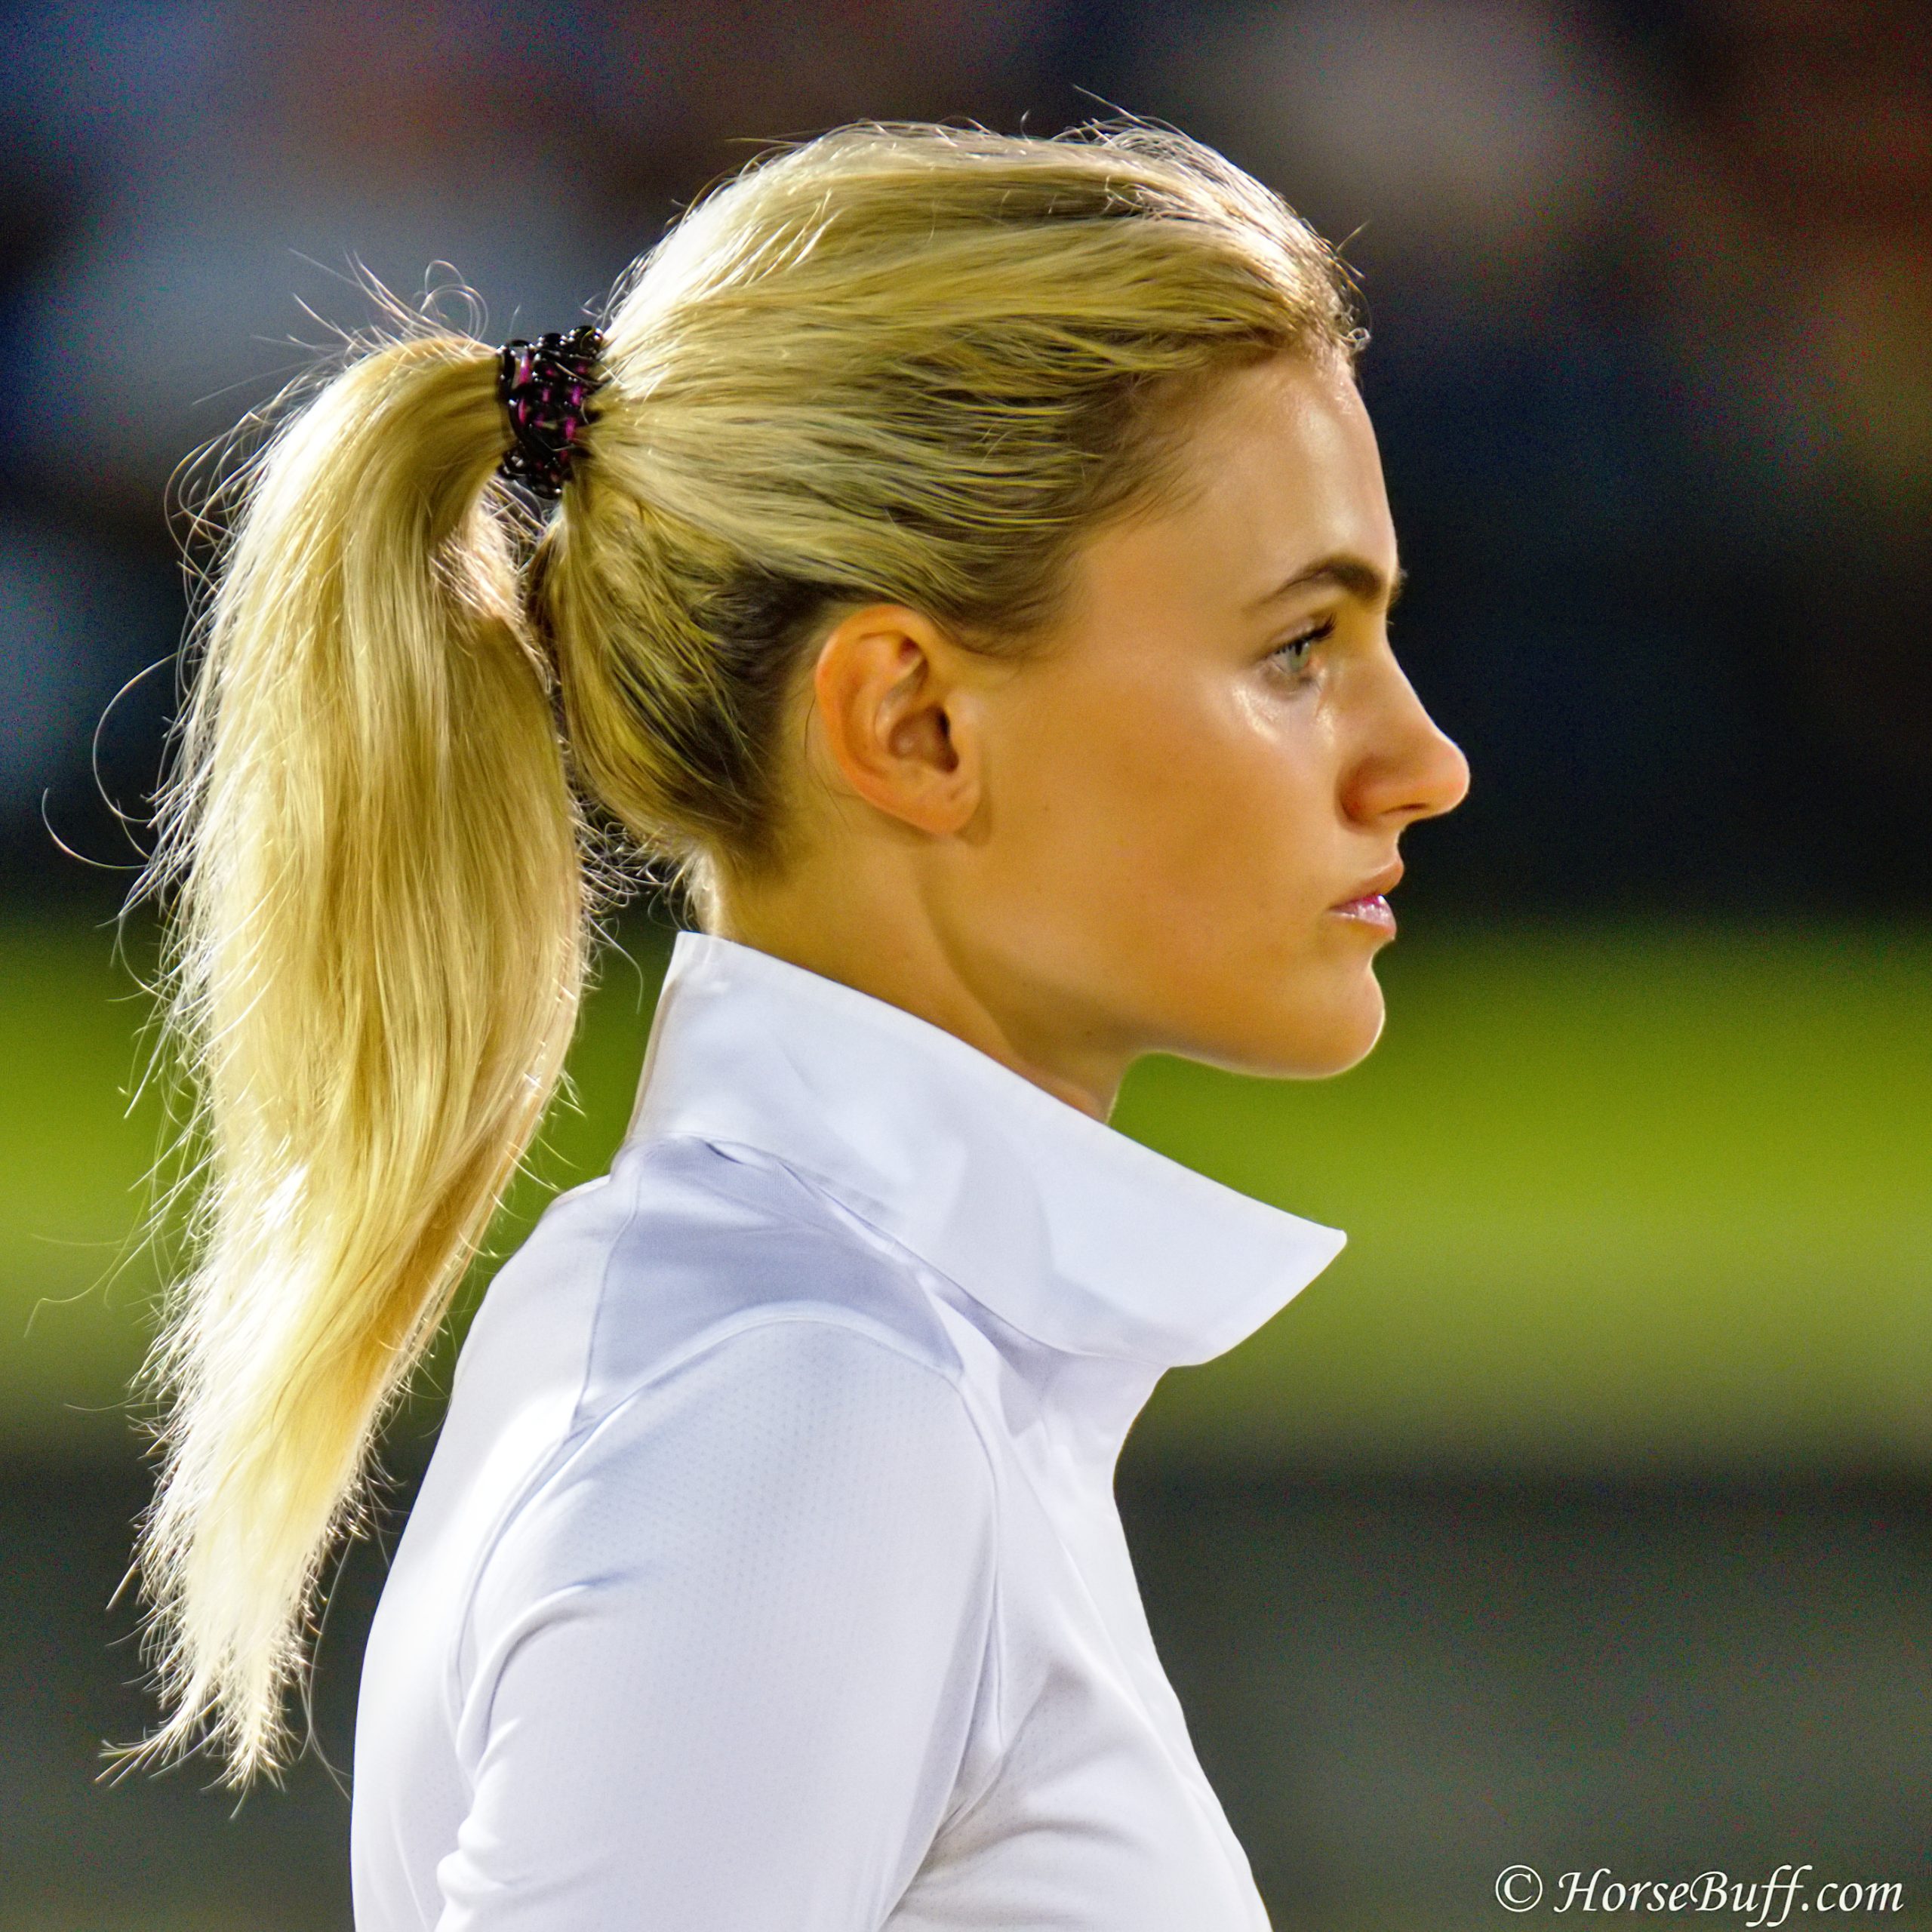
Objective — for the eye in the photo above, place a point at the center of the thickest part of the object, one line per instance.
(1292, 655)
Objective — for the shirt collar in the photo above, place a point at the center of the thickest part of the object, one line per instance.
(1078, 1237)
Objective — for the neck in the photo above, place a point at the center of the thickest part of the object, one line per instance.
(880, 937)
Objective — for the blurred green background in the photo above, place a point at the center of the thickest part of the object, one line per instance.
(1639, 1197)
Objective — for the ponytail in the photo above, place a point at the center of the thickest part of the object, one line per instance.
(376, 951)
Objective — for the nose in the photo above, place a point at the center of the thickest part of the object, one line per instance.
(1410, 767)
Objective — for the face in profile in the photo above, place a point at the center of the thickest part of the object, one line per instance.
(1193, 798)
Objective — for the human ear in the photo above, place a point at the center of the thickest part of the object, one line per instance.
(891, 710)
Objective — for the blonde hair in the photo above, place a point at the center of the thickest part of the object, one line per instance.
(908, 364)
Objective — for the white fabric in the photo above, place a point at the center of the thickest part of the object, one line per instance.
(767, 1576)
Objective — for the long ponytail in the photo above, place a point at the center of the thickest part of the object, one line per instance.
(376, 953)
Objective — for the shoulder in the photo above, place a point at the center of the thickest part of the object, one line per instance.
(695, 1378)
(729, 1330)
(720, 1240)
(791, 1459)
(682, 1245)
(787, 1401)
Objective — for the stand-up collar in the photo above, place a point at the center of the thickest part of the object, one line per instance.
(1078, 1237)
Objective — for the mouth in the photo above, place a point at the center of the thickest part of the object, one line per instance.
(1367, 906)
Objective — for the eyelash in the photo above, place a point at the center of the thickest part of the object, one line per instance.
(1284, 654)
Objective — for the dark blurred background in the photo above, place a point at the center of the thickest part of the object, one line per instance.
(1579, 1515)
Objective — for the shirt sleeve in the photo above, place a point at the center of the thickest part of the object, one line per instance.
(725, 1662)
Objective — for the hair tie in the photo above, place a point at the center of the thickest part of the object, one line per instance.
(546, 386)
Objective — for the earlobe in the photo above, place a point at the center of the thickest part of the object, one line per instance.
(890, 715)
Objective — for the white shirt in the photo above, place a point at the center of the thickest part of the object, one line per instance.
(767, 1576)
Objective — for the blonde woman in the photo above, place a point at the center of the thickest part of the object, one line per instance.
(968, 575)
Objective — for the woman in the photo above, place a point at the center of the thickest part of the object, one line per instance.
(970, 574)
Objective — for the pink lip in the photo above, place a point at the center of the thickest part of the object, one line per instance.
(1368, 906)
(1372, 909)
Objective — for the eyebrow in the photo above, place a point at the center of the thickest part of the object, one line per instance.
(1356, 575)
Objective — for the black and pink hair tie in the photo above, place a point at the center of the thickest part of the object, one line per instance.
(546, 386)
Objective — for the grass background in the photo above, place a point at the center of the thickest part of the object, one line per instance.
(1626, 1198)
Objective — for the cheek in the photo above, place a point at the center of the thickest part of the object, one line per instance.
(1266, 817)
(1186, 808)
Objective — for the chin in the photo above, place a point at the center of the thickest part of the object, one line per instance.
(1304, 1037)
(1318, 1039)
(1351, 1052)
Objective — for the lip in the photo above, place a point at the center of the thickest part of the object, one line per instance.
(1372, 888)
(1367, 907)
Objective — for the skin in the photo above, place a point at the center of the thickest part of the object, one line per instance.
(1134, 839)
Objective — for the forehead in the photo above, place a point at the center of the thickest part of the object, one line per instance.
(1273, 472)
(1279, 467)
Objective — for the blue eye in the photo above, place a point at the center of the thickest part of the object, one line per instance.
(1292, 655)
